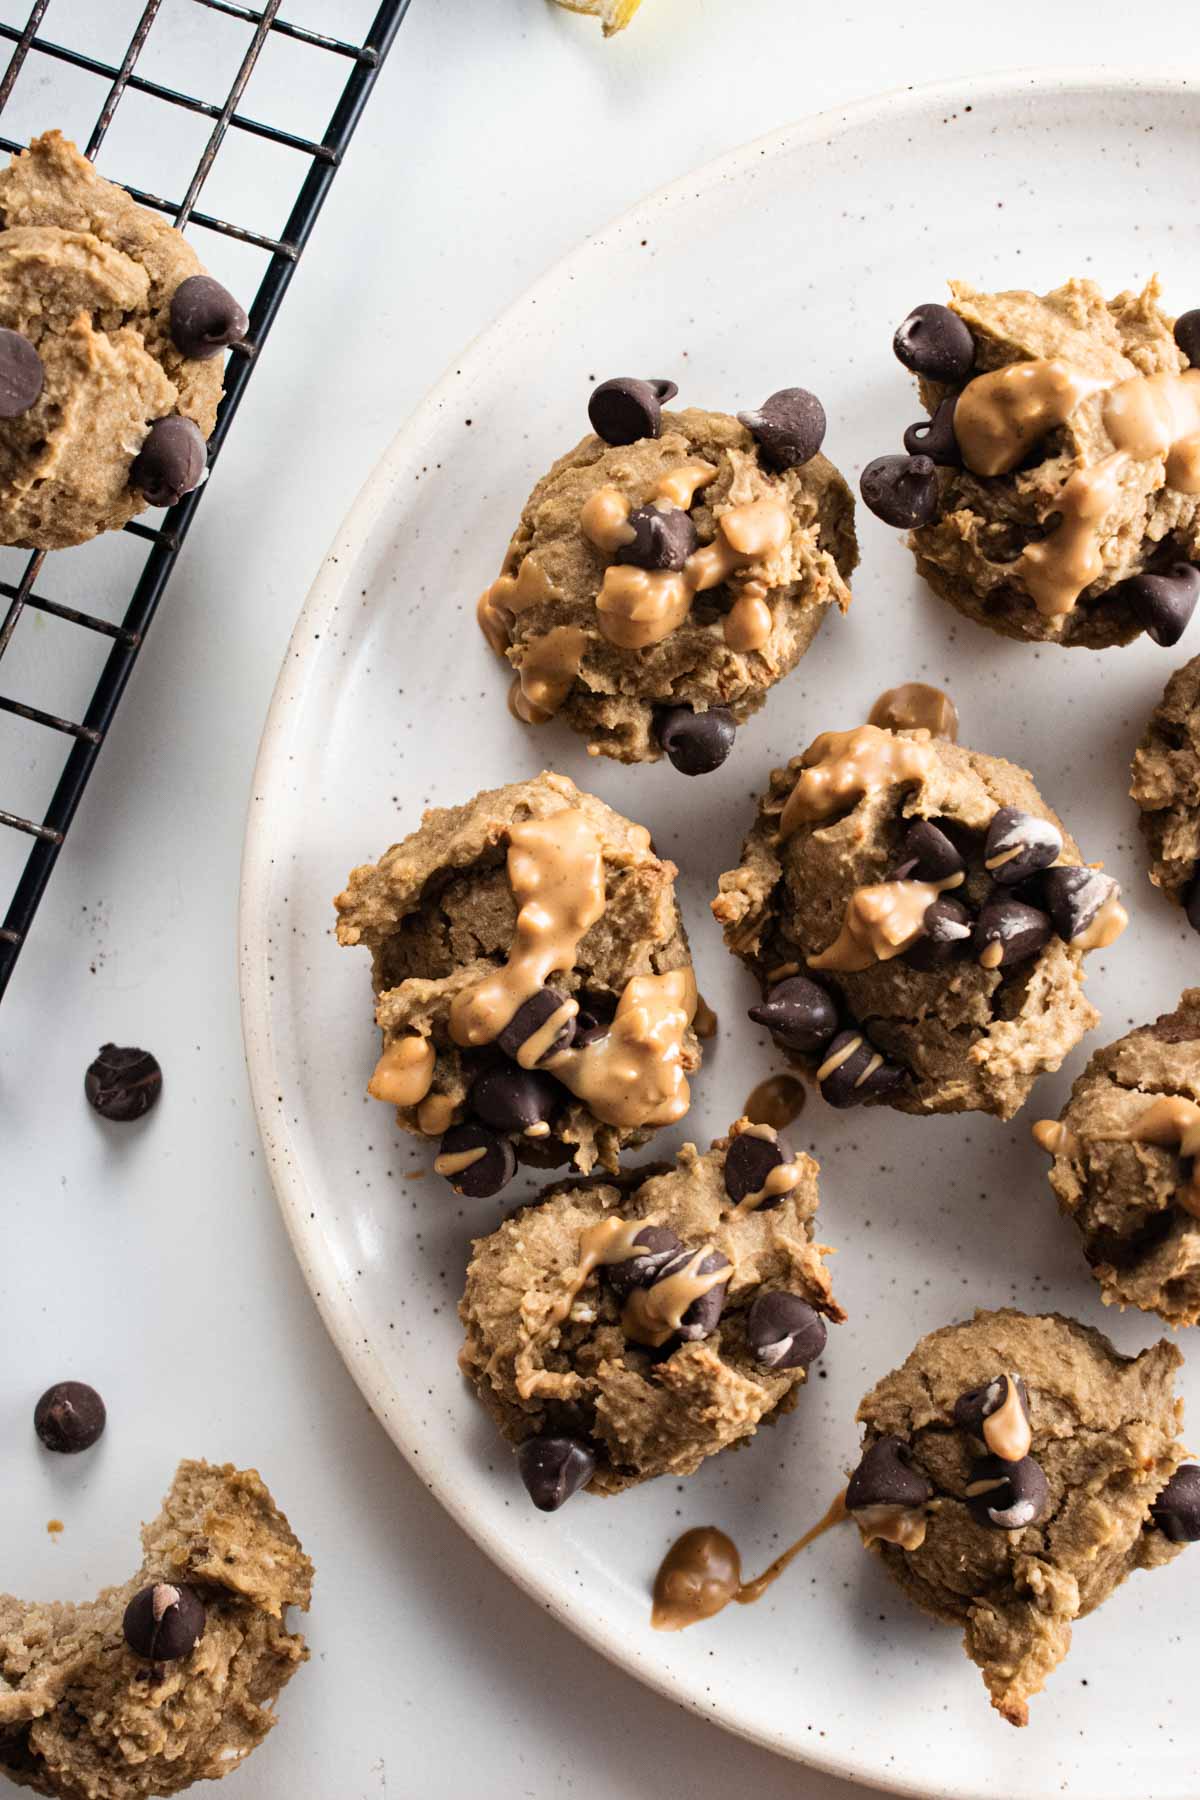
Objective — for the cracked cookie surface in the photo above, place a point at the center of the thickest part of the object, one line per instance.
(1166, 785)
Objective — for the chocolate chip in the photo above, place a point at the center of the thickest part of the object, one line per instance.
(529, 1017)
(1163, 603)
(171, 461)
(945, 935)
(123, 1083)
(1073, 897)
(21, 374)
(69, 1417)
(205, 318)
(659, 1245)
(1008, 932)
(1008, 1495)
(1187, 334)
(886, 1476)
(784, 1331)
(514, 1099)
(164, 1622)
(1176, 1512)
(626, 409)
(789, 428)
(979, 1403)
(849, 1084)
(798, 1013)
(928, 855)
(749, 1160)
(489, 1172)
(554, 1468)
(901, 490)
(704, 1314)
(696, 743)
(594, 1019)
(665, 538)
(934, 342)
(1018, 845)
(935, 437)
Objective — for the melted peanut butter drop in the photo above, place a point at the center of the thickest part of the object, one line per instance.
(1055, 1138)
(775, 1102)
(1173, 1123)
(890, 1523)
(634, 1075)
(840, 767)
(881, 921)
(454, 1162)
(652, 1315)
(702, 1572)
(1006, 1432)
(404, 1072)
(915, 706)
(1107, 926)
(705, 1023)
(548, 667)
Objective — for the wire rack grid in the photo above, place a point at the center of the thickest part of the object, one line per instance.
(84, 737)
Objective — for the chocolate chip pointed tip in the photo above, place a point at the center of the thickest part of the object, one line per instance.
(935, 437)
(901, 490)
(554, 1468)
(22, 375)
(69, 1417)
(171, 462)
(1163, 601)
(122, 1082)
(799, 1014)
(205, 318)
(789, 428)
(946, 931)
(934, 342)
(626, 409)
(887, 1476)
(164, 1622)
(784, 1331)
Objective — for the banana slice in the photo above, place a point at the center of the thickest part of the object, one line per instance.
(614, 15)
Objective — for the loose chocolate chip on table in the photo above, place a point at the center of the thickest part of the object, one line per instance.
(657, 1245)
(1008, 932)
(798, 1013)
(901, 490)
(665, 538)
(484, 1175)
(979, 1403)
(1018, 845)
(554, 1468)
(886, 1477)
(1008, 1495)
(935, 437)
(695, 743)
(848, 1083)
(69, 1417)
(1163, 604)
(704, 1314)
(205, 318)
(21, 374)
(1073, 897)
(514, 1099)
(945, 935)
(164, 1622)
(789, 428)
(1187, 334)
(123, 1082)
(749, 1160)
(626, 409)
(927, 855)
(784, 1331)
(530, 1017)
(171, 461)
(934, 342)
(1176, 1512)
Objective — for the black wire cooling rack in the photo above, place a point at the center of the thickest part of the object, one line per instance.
(321, 160)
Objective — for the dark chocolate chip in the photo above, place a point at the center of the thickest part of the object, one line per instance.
(749, 1160)
(665, 538)
(626, 409)
(784, 1331)
(934, 342)
(164, 1622)
(928, 855)
(1018, 845)
(703, 1315)
(979, 1403)
(489, 1172)
(798, 1013)
(1187, 334)
(594, 1019)
(1073, 897)
(935, 437)
(658, 1246)
(171, 461)
(123, 1083)
(1020, 931)
(1176, 1512)
(514, 1099)
(21, 374)
(789, 428)
(69, 1417)
(1008, 1495)
(696, 743)
(901, 490)
(1191, 902)
(529, 1017)
(849, 1084)
(554, 1468)
(205, 318)
(1163, 603)
(946, 935)
(886, 1476)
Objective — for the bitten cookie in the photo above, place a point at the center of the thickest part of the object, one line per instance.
(533, 980)
(1166, 786)
(916, 916)
(1123, 1169)
(110, 341)
(171, 1678)
(622, 1330)
(1054, 492)
(669, 570)
(1015, 1470)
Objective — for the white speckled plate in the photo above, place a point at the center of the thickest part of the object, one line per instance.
(789, 261)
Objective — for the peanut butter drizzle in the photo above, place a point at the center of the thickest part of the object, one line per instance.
(540, 1041)
(782, 1179)
(604, 520)
(1055, 1138)
(1174, 1124)
(881, 921)
(1057, 569)
(510, 595)
(840, 767)
(1006, 1431)
(654, 1314)
(992, 955)
(1000, 416)
(548, 667)
(457, 1160)
(843, 1055)
(1107, 926)
(404, 1071)
(915, 706)
(892, 1523)
(775, 1102)
(702, 1572)
(633, 1076)
(639, 607)
(608, 1241)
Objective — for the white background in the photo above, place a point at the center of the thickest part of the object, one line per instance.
(150, 1260)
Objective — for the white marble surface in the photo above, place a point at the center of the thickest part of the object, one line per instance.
(151, 1261)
